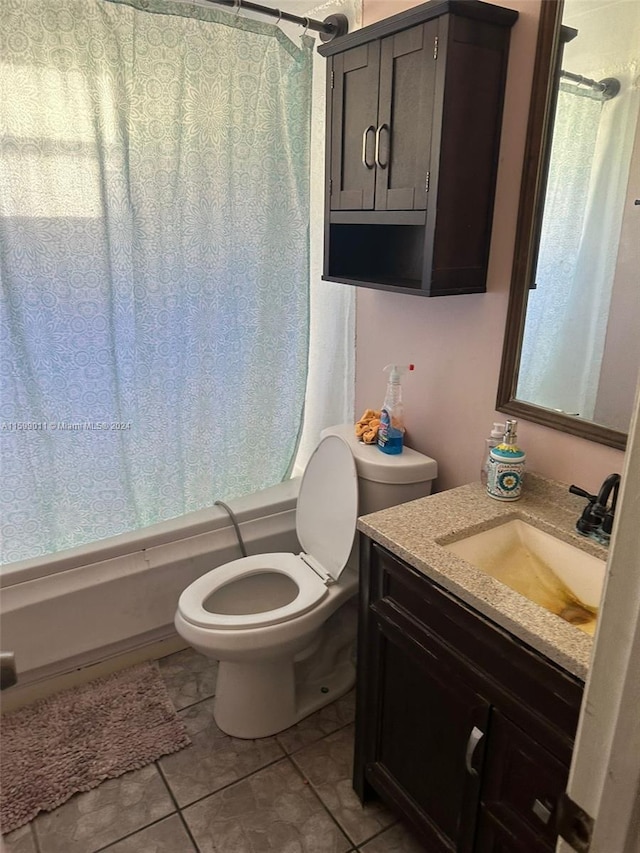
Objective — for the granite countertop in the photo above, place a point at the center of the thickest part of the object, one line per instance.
(416, 532)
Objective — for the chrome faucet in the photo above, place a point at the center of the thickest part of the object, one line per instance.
(597, 517)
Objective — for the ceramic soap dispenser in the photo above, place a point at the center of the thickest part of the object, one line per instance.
(506, 466)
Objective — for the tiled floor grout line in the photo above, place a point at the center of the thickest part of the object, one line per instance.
(131, 834)
(178, 809)
(312, 786)
(334, 819)
(235, 782)
(317, 740)
(188, 831)
(36, 843)
(286, 755)
(375, 835)
(322, 803)
(193, 704)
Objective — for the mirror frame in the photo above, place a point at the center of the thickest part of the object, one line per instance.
(529, 222)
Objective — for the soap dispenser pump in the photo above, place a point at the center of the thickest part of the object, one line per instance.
(506, 466)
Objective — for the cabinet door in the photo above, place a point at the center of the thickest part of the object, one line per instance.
(522, 784)
(405, 118)
(354, 112)
(430, 741)
(493, 837)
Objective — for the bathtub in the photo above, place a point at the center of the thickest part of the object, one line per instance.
(83, 606)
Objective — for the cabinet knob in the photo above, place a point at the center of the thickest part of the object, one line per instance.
(472, 744)
(365, 162)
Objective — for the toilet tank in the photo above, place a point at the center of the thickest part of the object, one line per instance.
(385, 480)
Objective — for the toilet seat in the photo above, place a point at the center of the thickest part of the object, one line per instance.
(326, 515)
(311, 590)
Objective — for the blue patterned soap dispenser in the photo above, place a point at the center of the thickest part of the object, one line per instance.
(506, 466)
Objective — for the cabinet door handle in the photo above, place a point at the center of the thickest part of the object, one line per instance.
(541, 811)
(377, 154)
(474, 739)
(365, 134)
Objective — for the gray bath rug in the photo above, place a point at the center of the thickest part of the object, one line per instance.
(79, 737)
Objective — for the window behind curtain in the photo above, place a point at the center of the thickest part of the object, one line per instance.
(154, 263)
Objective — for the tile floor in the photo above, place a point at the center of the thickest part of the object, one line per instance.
(285, 794)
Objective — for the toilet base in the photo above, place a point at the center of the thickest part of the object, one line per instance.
(252, 699)
(263, 701)
(259, 699)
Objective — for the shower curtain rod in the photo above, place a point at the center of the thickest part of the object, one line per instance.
(607, 88)
(334, 25)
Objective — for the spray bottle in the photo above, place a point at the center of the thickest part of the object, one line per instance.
(391, 430)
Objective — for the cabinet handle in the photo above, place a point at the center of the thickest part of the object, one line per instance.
(366, 132)
(541, 811)
(377, 154)
(474, 739)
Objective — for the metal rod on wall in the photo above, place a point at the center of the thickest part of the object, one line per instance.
(334, 25)
(607, 88)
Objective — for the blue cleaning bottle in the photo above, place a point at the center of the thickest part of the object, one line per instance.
(391, 429)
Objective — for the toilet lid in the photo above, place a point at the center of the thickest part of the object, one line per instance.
(328, 505)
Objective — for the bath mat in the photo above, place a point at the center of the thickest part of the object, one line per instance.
(79, 737)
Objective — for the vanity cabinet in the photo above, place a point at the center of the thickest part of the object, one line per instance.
(460, 727)
(414, 112)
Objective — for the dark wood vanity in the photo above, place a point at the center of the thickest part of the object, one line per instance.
(414, 113)
(461, 728)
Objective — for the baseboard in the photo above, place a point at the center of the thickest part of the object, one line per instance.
(42, 685)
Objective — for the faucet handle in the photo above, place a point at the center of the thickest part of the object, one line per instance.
(576, 490)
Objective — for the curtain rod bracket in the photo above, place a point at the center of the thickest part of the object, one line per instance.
(339, 25)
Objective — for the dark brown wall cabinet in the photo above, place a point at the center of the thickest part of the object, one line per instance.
(414, 113)
(460, 728)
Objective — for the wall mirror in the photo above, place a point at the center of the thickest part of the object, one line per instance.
(572, 343)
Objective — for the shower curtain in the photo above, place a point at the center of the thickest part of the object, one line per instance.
(331, 376)
(567, 313)
(154, 262)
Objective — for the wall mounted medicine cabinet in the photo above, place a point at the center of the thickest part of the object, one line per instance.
(414, 112)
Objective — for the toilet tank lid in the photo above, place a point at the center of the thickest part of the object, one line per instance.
(372, 464)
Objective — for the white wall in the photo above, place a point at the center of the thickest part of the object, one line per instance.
(456, 341)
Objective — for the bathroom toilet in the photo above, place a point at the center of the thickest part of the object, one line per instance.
(281, 625)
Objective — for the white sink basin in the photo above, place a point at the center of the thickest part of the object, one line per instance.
(546, 570)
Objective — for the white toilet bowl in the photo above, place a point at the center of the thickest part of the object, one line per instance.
(262, 617)
(282, 626)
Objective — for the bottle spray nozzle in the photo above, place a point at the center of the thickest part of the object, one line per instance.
(396, 371)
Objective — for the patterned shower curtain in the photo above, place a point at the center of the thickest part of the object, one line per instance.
(568, 312)
(154, 213)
